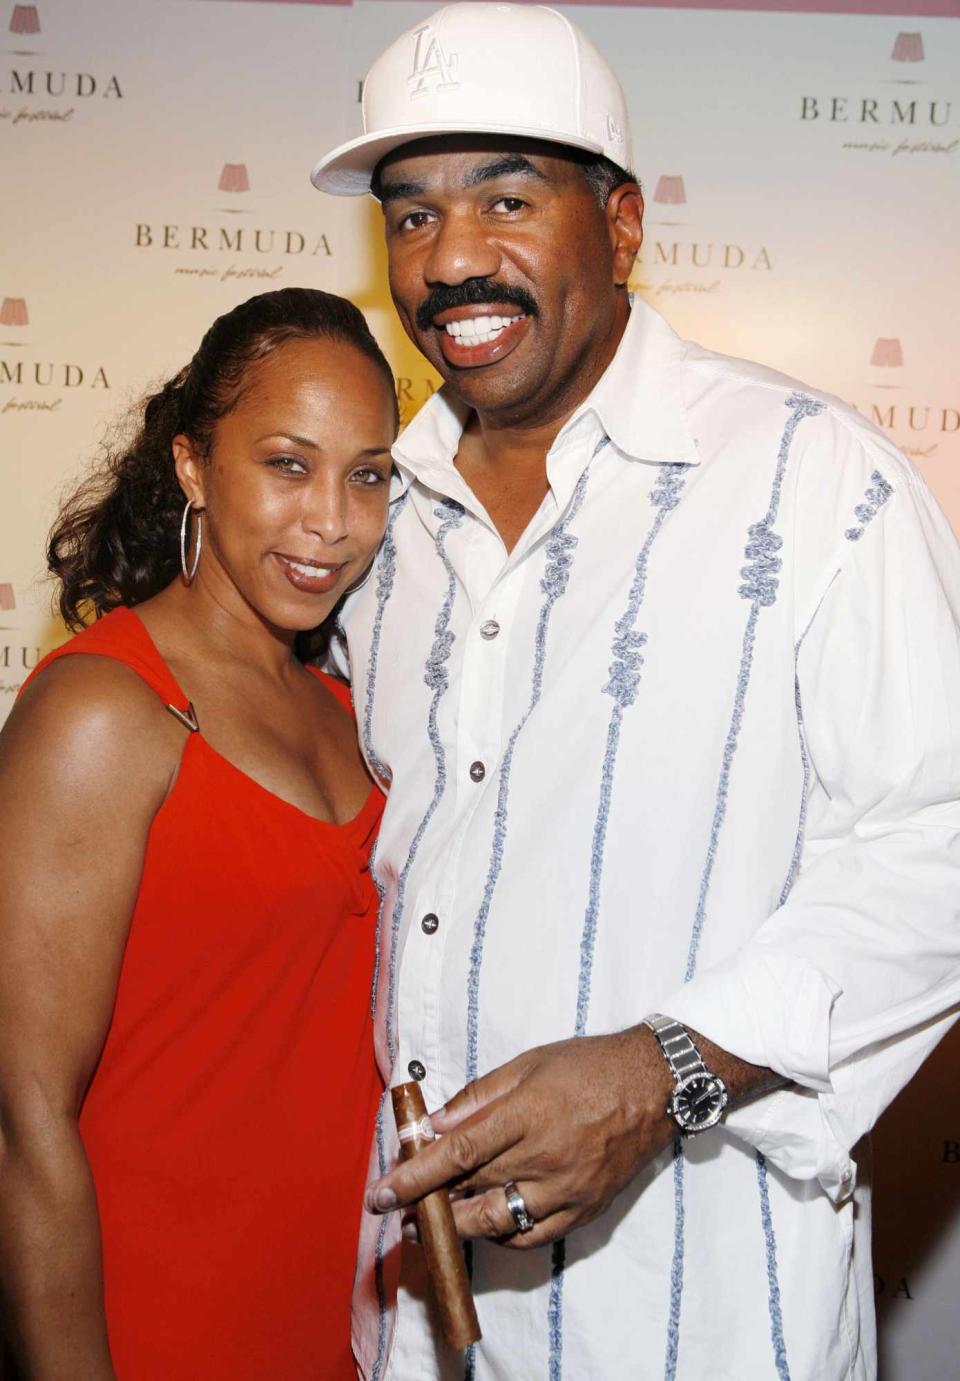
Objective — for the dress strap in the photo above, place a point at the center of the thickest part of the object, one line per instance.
(338, 688)
(122, 635)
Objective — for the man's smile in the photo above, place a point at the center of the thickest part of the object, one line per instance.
(475, 335)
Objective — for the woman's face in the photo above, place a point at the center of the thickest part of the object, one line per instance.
(295, 490)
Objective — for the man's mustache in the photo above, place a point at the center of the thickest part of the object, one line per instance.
(472, 293)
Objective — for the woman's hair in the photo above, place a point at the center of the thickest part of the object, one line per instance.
(116, 539)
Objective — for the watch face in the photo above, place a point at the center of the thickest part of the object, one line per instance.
(698, 1102)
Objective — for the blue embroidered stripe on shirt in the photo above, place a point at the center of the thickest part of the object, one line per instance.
(435, 675)
(559, 552)
(876, 496)
(760, 580)
(624, 673)
(386, 575)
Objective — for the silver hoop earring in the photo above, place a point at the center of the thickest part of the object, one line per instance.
(361, 582)
(189, 573)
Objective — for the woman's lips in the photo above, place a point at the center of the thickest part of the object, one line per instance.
(308, 576)
(481, 339)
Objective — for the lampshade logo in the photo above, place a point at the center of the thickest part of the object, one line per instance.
(670, 190)
(670, 264)
(22, 80)
(37, 382)
(887, 353)
(234, 178)
(8, 603)
(908, 48)
(13, 312)
(193, 251)
(892, 123)
(916, 426)
(24, 20)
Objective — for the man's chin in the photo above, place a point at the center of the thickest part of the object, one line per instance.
(490, 385)
(488, 392)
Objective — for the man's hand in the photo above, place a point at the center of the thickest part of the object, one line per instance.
(571, 1123)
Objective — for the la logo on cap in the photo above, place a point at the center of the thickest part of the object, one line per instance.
(432, 67)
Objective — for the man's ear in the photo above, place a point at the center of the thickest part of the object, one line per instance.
(190, 470)
(624, 211)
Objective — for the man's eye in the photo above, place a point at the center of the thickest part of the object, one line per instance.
(509, 204)
(414, 220)
(287, 465)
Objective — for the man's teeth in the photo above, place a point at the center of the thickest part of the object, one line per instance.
(478, 330)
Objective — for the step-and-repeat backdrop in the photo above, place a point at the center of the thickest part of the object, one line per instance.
(801, 170)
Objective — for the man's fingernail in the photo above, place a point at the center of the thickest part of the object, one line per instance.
(384, 1199)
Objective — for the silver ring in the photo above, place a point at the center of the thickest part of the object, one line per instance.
(517, 1207)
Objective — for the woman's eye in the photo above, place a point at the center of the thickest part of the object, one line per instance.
(370, 477)
(287, 465)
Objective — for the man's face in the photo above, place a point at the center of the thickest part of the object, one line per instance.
(504, 270)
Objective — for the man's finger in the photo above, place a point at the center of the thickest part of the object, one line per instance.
(478, 1094)
(471, 1144)
(487, 1216)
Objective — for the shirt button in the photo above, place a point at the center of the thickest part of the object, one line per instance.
(477, 771)
(490, 629)
(429, 923)
(417, 1070)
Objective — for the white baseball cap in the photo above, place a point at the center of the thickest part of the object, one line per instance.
(484, 69)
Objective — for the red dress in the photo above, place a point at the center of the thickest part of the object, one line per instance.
(228, 1122)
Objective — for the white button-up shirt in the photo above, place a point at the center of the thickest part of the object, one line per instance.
(692, 747)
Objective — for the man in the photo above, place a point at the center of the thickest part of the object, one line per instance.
(660, 661)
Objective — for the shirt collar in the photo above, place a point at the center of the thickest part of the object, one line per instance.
(639, 399)
(638, 402)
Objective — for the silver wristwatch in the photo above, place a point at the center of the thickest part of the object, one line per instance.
(698, 1097)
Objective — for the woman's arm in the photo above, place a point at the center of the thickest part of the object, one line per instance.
(86, 760)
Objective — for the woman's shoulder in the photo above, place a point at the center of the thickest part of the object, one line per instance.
(118, 636)
(115, 651)
(87, 703)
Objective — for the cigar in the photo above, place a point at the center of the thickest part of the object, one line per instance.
(438, 1234)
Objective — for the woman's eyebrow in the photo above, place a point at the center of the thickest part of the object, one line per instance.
(290, 436)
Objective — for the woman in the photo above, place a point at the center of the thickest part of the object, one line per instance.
(187, 1080)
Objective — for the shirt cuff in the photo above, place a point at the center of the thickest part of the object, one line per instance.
(766, 1006)
(794, 1130)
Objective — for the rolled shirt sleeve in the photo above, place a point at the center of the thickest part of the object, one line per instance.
(849, 985)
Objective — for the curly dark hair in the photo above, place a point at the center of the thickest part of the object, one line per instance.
(116, 538)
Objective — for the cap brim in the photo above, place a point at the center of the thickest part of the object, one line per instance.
(346, 172)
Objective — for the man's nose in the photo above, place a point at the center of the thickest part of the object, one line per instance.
(460, 250)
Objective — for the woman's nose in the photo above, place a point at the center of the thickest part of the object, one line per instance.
(326, 514)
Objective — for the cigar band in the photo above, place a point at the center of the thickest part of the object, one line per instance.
(411, 1131)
